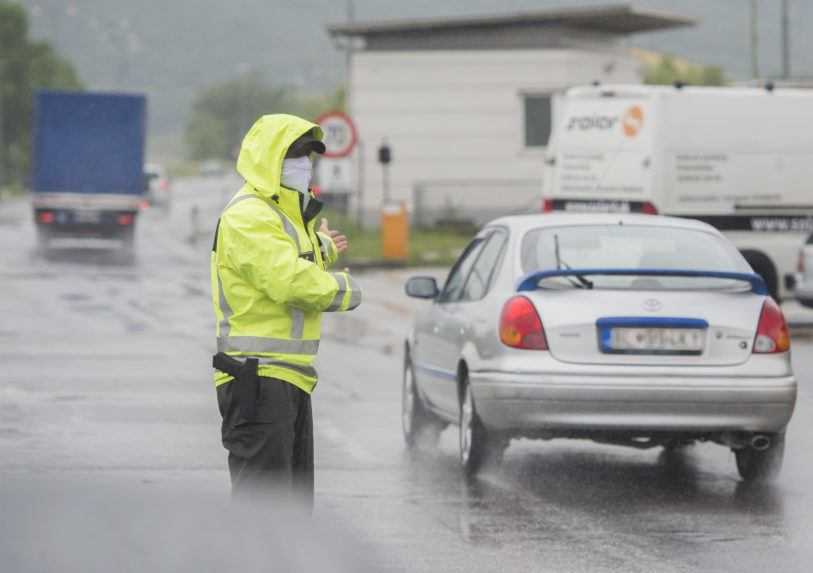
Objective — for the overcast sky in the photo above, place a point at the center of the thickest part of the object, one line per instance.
(173, 48)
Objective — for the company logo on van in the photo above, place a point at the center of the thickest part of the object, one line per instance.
(587, 122)
(632, 121)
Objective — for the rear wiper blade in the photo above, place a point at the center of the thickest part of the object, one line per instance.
(581, 281)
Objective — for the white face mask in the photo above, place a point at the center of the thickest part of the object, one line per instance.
(297, 173)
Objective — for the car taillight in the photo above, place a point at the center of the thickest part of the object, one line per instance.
(144, 205)
(772, 332)
(46, 217)
(125, 219)
(800, 263)
(649, 209)
(547, 205)
(520, 325)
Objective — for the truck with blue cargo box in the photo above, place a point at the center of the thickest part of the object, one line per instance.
(88, 166)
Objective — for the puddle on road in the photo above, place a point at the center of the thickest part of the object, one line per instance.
(75, 296)
(10, 433)
(92, 308)
(69, 398)
(193, 290)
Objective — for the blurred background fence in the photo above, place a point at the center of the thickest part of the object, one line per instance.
(472, 202)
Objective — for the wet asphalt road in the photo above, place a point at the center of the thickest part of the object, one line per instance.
(110, 456)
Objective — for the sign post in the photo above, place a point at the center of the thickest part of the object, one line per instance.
(340, 134)
(384, 158)
(335, 166)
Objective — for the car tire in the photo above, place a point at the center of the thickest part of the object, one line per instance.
(478, 447)
(420, 427)
(761, 466)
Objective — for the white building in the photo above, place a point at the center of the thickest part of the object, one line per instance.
(466, 104)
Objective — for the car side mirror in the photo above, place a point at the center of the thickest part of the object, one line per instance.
(422, 287)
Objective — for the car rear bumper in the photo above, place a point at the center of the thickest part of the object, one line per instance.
(537, 402)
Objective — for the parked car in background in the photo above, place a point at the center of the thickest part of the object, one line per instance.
(159, 188)
(634, 330)
(803, 283)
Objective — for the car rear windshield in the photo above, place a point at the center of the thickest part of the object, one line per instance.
(631, 247)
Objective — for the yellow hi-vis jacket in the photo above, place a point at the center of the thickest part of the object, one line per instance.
(270, 283)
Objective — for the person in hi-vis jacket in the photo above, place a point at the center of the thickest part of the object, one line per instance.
(270, 286)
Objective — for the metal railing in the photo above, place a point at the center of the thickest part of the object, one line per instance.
(472, 201)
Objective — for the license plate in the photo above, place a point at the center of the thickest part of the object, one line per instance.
(87, 216)
(654, 340)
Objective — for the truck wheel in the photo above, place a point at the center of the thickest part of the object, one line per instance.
(761, 465)
(420, 427)
(127, 250)
(43, 241)
(478, 447)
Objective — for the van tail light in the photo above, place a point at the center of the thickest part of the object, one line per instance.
(46, 217)
(773, 336)
(520, 325)
(649, 209)
(125, 219)
(547, 205)
(800, 262)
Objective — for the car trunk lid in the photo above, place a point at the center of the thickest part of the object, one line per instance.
(656, 327)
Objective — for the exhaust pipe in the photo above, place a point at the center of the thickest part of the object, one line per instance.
(760, 442)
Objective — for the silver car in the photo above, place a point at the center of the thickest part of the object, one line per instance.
(626, 329)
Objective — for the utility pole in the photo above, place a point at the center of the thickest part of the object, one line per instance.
(360, 184)
(2, 125)
(754, 41)
(785, 41)
(348, 48)
(385, 158)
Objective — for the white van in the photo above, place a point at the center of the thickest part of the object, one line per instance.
(740, 159)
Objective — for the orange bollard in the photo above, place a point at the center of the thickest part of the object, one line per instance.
(395, 232)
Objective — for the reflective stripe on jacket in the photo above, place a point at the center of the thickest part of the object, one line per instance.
(269, 275)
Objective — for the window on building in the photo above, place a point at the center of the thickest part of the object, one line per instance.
(537, 120)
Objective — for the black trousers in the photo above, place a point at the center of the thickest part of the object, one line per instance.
(270, 455)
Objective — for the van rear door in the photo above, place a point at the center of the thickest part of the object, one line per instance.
(603, 153)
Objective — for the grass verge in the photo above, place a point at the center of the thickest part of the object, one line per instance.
(437, 246)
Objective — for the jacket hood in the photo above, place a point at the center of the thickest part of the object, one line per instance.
(264, 147)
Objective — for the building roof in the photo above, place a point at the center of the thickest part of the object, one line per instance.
(619, 19)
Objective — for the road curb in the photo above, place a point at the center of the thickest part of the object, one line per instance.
(374, 265)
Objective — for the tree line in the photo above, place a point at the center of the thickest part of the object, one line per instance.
(222, 114)
(25, 66)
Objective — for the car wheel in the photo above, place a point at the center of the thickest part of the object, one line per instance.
(420, 426)
(761, 465)
(477, 447)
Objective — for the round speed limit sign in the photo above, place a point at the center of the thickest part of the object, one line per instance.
(340, 134)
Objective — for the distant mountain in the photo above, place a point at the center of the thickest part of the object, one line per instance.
(173, 48)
